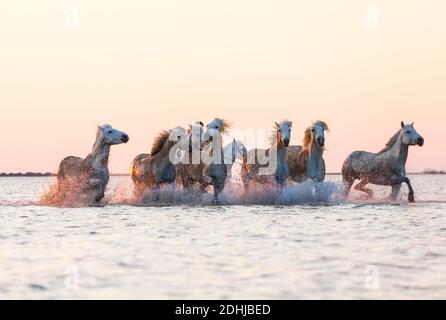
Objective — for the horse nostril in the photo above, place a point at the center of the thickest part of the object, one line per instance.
(320, 141)
(420, 141)
(125, 138)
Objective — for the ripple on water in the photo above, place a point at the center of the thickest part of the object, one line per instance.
(258, 246)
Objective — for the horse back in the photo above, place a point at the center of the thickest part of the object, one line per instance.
(360, 163)
(70, 166)
(297, 164)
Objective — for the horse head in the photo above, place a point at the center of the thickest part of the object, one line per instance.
(108, 135)
(196, 135)
(318, 129)
(283, 132)
(215, 129)
(410, 136)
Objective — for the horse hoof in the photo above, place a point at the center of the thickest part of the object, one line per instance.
(411, 198)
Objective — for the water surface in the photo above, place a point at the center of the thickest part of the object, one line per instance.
(291, 248)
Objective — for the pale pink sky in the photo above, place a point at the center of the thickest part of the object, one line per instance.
(144, 66)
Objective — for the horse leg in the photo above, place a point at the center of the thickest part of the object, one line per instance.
(398, 180)
(156, 190)
(361, 187)
(100, 193)
(245, 179)
(347, 185)
(216, 192)
(411, 196)
(138, 191)
(229, 171)
(218, 188)
(395, 191)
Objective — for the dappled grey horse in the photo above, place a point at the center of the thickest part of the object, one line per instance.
(270, 165)
(89, 176)
(387, 167)
(150, 171)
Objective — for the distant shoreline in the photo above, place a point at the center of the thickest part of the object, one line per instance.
(50, 174)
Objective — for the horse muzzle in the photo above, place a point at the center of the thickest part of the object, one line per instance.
(286, 142)
(125, 138)
(321, 142)
(420, 142)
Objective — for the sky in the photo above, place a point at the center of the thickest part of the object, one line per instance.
(362, 66)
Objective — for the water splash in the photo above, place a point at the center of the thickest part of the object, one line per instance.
(307, 193)
(71, 194)
(233, 194)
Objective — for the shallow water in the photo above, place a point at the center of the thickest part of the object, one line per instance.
(264, 245)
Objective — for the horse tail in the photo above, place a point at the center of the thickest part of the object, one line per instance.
(348, 174)
(347, 167)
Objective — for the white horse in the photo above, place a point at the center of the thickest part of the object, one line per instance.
(235, 152)
(262, 165)
(150, 171)
(387, 167)
(190, 169)
(212, 156)
(307, 162)
(90, 176)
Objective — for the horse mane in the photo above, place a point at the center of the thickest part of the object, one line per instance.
(390, 143)
(99, 131)
(308, 137)
(308, 134)
(222, 124)
(273, 137)
(321, 123)
(196, 123)
(159, 142)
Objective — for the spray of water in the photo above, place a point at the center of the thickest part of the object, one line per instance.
(71, 194)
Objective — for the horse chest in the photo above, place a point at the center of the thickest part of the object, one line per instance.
(282, 172)
(314, 169)
(100, 171)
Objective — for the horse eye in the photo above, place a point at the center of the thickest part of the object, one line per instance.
(407, 131)
(110, 131)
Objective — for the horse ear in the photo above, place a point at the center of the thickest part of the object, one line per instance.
(277, 125)
(201, 124)
(190, 126)
(412, 123)
(402, 124)
(291, 124)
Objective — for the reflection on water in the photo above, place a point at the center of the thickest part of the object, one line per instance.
(263, 245)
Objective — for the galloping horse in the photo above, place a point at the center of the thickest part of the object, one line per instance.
(90, 176)
(150, 171)
(307, 162)
(212, 156)
(387, 167)
(261, 164)
(234, 151)
(190, 168)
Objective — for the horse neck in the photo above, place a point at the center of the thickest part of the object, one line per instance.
(281, 151)
(101, 152)
(315, 152)
(399, 150)
(209, 148)
(164, 152)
